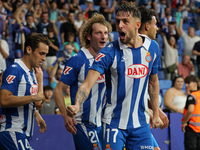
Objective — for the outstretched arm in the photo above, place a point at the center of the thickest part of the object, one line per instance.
(83, 91)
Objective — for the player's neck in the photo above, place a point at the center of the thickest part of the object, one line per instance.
(93, 51)
(135, 42)
(25, 60)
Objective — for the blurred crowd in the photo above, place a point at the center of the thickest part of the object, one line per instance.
(178, 33)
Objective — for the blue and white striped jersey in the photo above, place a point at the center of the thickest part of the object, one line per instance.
(127, 72)
(21, 82)
(74, 74)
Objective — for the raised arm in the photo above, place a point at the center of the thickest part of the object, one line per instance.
(180, 28)
(83, 91)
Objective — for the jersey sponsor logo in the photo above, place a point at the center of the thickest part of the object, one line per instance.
(10, 79)
(95, 147)
(99, 56)
(148, 57)
(34, 89)
(146, 147)
(67, 69)
(137, 71)
(101, 79)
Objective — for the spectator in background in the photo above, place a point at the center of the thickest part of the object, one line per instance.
(8, 6)
(191, 115)
(37, 12)
(4, 53)
(167, 19)
(55, 72)
(170, 51)
(44, 23)
(70, 40)
(67, 97)
(49, 106)
(189, 41)
(68, 26)
(186, 67)
(175, 98)
(3, 15)
(75, 7)
(196, 52)
(68, 51)
(55, 14)
(90, 9)
(30, 26)
(160, 10)
(105, 10)
(172, 29)
(178, 13)
(53, 48)
(65, 11)
(18, 24)
(80, 20)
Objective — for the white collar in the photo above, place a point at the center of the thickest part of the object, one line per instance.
(146, 44)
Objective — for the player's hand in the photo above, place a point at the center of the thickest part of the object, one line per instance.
(39, 75)
(40, 123)
(157, 122)
(164, 119)
(72, 110)
(70, 123)
(39, 97)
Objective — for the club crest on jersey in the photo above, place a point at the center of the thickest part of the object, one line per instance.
(101, 79)
(148, 57)
(108, 147)
(67, 69)
(99, 56)
(34, 89)
(96, 147)
(10, 79)
(136, 71)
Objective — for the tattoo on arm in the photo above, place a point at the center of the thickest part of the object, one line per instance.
(82, 96)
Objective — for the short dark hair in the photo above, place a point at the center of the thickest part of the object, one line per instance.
(146, 15)
(33, 41)
(129, 8)
(47, 87)
(191, 78)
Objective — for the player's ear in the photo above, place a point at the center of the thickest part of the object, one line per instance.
(147, 26)
(138, 24)
(28, 49)
(89, 37)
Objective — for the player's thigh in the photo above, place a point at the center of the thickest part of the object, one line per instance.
(86, 137)
(14, 141)
(113, 137)
(140, 138)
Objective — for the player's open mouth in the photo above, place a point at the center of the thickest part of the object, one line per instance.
(102, 42)
(122, 35)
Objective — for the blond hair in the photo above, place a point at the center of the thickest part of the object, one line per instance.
(87, 29)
